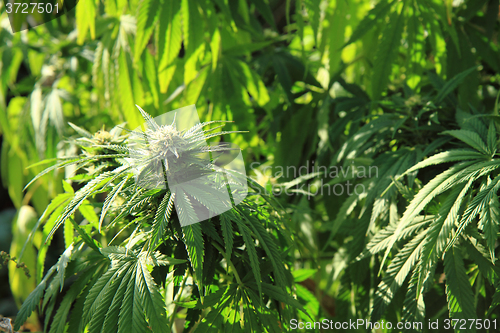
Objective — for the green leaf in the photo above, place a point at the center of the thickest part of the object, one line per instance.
(131, 315)
(270, 247)
(185, 210)
(440, 231)
(478, 253)
(152, 301)
(193, 239)
(458, 289)
(110, 198)
(125, 95)
(494, 302)
(60, 319)
(492, 139)
(192, 39)
(126, 295)
(67, 187)
(32, 301)
(250, 247)
(414, 307)
(445, 157)
(386, 53)
(162, 217)
(227, 233)
(88, 212)
(452, 84)
(147, 15)
(192, 34)
(471, 138)
(334, 36)
(376, 14)
(488, 223)
(313, 8)
(345, 210)
(303, 274)
(85, 20)
(118, 303)
(282, 296)
(151, 77)
(62, 263)
(244, 49)
(266, 12)
(83, 132)
(170, 33)
(456, 174)
(215, 47)
(79, 198)
(101, 292)
(248, 79)
(479, 204)
(15, 177)
(396, 274)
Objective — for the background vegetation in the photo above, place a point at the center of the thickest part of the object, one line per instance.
(410, 87)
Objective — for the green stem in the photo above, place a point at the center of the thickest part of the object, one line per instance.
(229, 262)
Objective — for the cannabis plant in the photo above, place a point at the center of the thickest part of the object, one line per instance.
(427, 227)
(137, 257)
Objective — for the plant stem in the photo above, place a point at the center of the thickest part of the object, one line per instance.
(229, 262)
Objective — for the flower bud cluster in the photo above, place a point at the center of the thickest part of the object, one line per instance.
(5, 258)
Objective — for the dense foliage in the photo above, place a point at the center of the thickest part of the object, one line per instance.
(395, 103)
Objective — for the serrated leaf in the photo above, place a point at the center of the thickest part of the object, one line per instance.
(110, 198)
(440, 231)
(396, 274)
(162, 218)
(458, 289)
(60, 319)
(80, 196)
(85, 20)
(459, 173)
(475, 207)
(147, 15)
(386, 53)
(171, 28)
(83, 132)
(193, 239)
(152, 301)
(282, 296)
(252, 253)
(32, 301)
(494, 302)
(488, 223)
(271, 249)
(227, 233)
(98, 293)
(113, 314)
(471, 138)
(414, 307)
